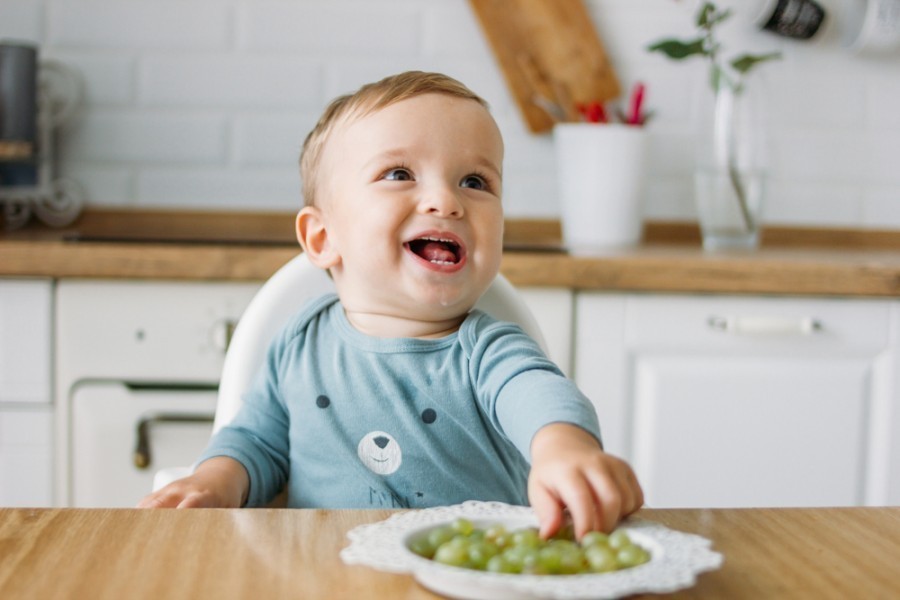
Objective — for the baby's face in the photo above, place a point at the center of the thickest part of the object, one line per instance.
(411, 201)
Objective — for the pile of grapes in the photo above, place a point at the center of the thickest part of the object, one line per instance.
(498, 550)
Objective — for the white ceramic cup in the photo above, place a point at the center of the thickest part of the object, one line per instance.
(872, 26)
(600, 173)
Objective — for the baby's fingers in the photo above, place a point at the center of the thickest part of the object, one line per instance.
(632, 492)
(548, 509)
(198, 500)
(584, 507)
(160, 499)
(610, 500)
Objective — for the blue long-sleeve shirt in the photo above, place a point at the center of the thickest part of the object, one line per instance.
(348, 420)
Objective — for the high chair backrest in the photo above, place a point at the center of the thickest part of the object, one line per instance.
(286, 292)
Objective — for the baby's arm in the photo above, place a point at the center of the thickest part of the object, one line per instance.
(570, 470)
(219, 482)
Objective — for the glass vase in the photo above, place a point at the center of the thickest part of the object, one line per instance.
(730, 179)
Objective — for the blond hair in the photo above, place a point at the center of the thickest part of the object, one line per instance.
(368, 99)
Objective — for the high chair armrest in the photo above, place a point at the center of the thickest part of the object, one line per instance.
(164, 477)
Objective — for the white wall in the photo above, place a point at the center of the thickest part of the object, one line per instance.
(204, 103)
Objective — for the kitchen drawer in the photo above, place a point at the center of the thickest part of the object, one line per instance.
(131, 326)
(25, 340)
(723, 323)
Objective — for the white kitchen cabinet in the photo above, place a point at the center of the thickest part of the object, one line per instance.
(745, 401)
(26, 417)
(26, 456)
(137, 365)
(25, 340)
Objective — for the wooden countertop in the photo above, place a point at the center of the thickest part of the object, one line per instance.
(278, 553)
(245, 247)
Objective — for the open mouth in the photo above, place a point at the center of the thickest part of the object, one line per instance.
(437, 250)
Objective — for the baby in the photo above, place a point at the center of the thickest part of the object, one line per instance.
(395, 392)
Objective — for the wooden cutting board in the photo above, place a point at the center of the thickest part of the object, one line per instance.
(547, 50)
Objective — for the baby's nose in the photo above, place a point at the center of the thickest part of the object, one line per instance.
(441, 202)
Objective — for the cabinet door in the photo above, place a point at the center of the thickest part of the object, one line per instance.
(26, 417)
(26, 458)
(750, 430)
(25, 318)
(121, 435)
(750, 401)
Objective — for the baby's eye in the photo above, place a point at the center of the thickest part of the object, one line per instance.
(476, 182)
(398, 174)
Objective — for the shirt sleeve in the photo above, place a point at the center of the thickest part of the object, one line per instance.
(520, 389)
(258, 436)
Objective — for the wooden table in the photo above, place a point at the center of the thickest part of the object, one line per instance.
(261, 554)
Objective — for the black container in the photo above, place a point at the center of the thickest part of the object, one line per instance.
(798, 19)
(18, 108)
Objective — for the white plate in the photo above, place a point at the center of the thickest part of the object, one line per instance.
(676, 558)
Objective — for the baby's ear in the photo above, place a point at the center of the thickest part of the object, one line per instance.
(313, 236)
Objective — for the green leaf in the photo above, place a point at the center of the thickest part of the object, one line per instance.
(721, 16)
(742, 64)
(704, 15)
(677, 49)
(709, 16)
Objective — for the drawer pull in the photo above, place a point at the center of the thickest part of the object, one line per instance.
(766, 325)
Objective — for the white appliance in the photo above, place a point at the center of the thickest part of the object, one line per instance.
(137, 366)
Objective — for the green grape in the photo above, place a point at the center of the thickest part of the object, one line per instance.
(452, 554)
(592, 538)
(632, 556)
(499, 564)
(495, 531)
(438, 536)
(531, 561)
(566, 532)
(497, 550)
(480, 553)
(459, 540)
(601, 559)
(526, 537)
(572, 561)
(550, 557)
(463, 526)
(422, 547)
(619, 539)
(498, 535)
(515, 555)
(564, 545)
(477, 535)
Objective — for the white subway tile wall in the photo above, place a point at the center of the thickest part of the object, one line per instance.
(203, 104)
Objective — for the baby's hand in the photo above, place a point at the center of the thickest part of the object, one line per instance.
(217, 483)
(570, 470)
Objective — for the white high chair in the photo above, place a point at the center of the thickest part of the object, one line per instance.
(278, 300)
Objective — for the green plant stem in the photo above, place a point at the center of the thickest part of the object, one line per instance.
(735, 177)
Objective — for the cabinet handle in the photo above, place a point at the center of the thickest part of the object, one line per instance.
(766, 325)
(142, 456)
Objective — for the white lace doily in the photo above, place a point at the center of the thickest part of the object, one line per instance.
(676, 558)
